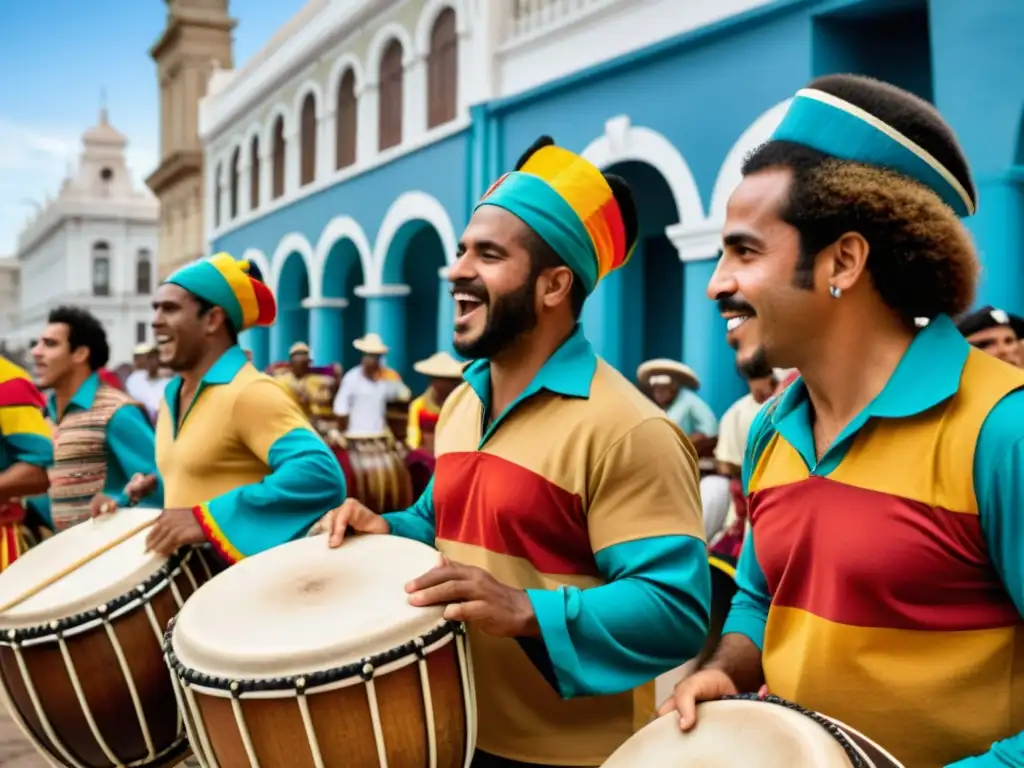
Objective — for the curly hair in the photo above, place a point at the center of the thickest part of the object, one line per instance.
(84, 330)
(922, 261)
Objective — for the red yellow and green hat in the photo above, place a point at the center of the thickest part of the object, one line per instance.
(234, 286)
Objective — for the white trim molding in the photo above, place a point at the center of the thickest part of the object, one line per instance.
(341, 65)
(379, 42)
(696, 243)
(428, 17)
(393, 290)
(293, 242)
(337, 229)
(308, 86)
(324, 303)
(415, 205)
(280, 109)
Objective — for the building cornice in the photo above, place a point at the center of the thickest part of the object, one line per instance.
(173, 168)
(145, 212)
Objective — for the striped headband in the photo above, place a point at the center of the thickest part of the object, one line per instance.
(569, 203)
(838, 128)
(234, 286)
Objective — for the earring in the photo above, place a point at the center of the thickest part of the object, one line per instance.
(835, 291)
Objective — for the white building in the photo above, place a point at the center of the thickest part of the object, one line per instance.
(93, 246)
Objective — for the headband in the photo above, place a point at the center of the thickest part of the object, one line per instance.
(838, 128)
(234, 286)
(568, 202)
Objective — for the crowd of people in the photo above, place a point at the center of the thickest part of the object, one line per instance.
(865, 494)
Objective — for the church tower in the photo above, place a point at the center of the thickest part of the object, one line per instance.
(196, 42)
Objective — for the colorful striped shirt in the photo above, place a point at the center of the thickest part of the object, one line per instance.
(884, 582)
(245, 459)
(584, 494)
(423, 416)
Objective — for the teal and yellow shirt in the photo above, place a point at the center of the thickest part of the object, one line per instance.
(245, 459)
(584, 494)
(884, 582)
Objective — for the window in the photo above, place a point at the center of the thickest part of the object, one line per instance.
(392, 71)
(443, 70)
(140, 333)
(308, 141)
(347, 121)
(143, 272)
(254, 173)
(277, 160)
(236, 157)
(216, 196)
(101, 269)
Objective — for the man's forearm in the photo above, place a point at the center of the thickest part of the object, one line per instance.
(22, 479)
(740, 659)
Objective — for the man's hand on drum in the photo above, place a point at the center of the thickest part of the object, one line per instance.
(175, 528)
(139, 487)
(706, 685)
(102, 505)
(351, 514)
(473, 595)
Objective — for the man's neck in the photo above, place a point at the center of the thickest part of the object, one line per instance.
(514, 369)
(191, 378)
(66, 388)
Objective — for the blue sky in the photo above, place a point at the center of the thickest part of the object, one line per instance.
(57, 56)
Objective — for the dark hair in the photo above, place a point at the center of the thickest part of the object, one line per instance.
(84, 330)
(206, 306)
(922, 260)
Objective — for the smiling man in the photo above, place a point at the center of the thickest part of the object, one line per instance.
(565, 502)
(243, 469)
(882, 582)
(992, 331)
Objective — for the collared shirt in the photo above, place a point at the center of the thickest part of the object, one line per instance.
(129, 442)
(692, 415)
(148, 390)
(584, 494)
(245, 459)
(364, 400)
(885, 580)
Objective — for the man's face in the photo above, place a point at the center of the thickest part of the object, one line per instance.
(139, 362)
(493, 285)
(762, 388)
(665, 394)
(770, 318)
(300, 363)
(1000, 342)
(371, 363)
(180, 328)
(152, 363)
(53, 357)
(442, 388)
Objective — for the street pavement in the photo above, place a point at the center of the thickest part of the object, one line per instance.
(15, 750)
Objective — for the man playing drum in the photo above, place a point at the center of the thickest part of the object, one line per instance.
(242, 467)
(882, 583)
(565, 503)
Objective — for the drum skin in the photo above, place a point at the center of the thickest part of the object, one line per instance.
(98, 672)
(375, 472)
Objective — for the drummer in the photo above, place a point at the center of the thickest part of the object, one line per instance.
(565, 502)
(366, 390)
(445, 373)
(311, 390)
(882, 583)
(26, 452)
(243, 468)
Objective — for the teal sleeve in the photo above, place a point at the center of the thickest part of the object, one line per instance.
(999, 485)
(704, 420)
(29, 448)
(416, 522)
(649, 618)
(305, 482)
(132, 448)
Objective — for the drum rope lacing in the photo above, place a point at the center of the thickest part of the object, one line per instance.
(364, 668)
(856, 758)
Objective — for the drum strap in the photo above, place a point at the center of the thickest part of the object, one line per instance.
(856, 758)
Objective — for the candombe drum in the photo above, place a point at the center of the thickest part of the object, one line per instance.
(82, 617)
(748, 732)
(307, 657)
(375, 470)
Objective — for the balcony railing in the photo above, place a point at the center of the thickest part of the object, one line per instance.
(527, 19)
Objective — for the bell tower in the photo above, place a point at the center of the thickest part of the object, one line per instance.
(195, 42)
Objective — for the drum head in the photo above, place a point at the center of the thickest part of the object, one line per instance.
(303, 607)
(109, 575)
(733, 734)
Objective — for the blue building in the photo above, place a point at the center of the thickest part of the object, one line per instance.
(346, 157)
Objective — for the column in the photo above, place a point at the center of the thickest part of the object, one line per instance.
(325, 329)
(367, 119)
(280, 339)
(414, 98)
(244, 172)
(445, 313)
(292, 156)
(385, 316)
(256, 341)
(982, 104)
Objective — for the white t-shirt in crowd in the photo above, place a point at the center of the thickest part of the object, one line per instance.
(365, 401)
(734, 429)
(148, 391)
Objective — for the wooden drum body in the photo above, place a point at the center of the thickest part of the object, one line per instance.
(375, 472)
(81, 662)
(310, 657)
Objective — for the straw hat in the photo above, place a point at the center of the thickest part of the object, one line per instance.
(298, 347)
(144, 349)
(371, 344)
(439, 365)
(663, 371)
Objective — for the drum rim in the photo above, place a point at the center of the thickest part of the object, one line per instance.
(364, 668)
(56, 627)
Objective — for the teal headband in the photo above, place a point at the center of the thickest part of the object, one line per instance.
(546, 212)
(204, 280)
(831, 125)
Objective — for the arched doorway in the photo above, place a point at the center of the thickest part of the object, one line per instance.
(636, 313)
(343, 271)
(415, 258)
(292, 318)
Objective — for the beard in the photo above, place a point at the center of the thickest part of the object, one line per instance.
(509, 316)
(756, 366)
